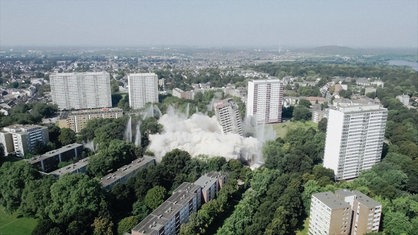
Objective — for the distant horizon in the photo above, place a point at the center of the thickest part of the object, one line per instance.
(156, 46)
(209, 24)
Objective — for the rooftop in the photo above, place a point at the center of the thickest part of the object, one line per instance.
(159, 217)
(207, 180)
(125, 170)
(71, 168)
(183, 193)
(265, 81)
(142, 74)
(53, 153)
(330, 200)
(365, 200)
(100, 110)
(352, 108)
(79, 73)
(21, 128)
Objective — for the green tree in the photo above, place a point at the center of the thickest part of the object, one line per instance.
(54, 132)
(140, 210)
(301, 113)
(155, 197)
(67, 136)
(126, 224)
(36, 197)
(102, 226)
(116, 154)
(322, 125)
(305, 103)
(15, 176)
(396, 223)
(76, 197)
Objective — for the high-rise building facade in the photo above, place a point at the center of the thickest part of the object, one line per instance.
(264, 101)
(228, 116)
(345, 212)
(354, 139)
(329, 215)
(81, 90)
(143, 88)
(366, 211)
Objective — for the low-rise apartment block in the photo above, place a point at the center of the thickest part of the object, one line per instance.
(77, 120)
(49, 161)
(168, 217)
(176, 210)
(124, 173)
(77, 167)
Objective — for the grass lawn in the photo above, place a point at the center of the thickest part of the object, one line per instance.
(283, 128)
(10, 225)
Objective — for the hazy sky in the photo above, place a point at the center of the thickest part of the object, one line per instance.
(354, 23)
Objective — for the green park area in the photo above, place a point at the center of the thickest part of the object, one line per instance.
(11, 225)
(283, 128)
(305, 229)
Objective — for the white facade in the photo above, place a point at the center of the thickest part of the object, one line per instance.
(404, 99)
(26, 137)
(264, 101)
(228, 116)
(81, 90)
(143, 88)
(354, 139)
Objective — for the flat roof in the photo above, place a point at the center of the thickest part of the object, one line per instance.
(183, 193)
(150, 225)
(355, 107)
(168, 209)
(125, 170)
(78, 73)
(53, 153)
(142, 74)
(365, 200)
(266, 80)
(21, 128)
(330, 200)
(98, 110)
(345, 193)
(70, 168)
(205, 181)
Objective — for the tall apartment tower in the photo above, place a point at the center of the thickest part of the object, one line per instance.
(264, 102)
(354, 139)
(228, 116)
(143, 88)
(81, 90)
(345, 212)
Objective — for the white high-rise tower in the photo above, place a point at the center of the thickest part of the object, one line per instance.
(81, 90)
(264, 102)
(354, 139)
(143, 88)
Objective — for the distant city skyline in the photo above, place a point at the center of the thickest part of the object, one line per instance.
(126, 23)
